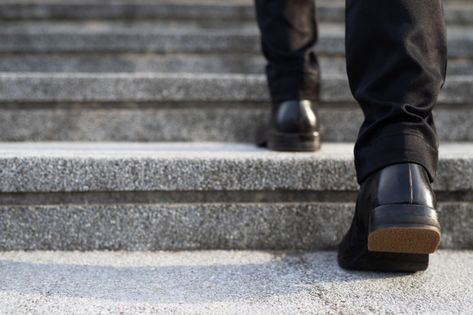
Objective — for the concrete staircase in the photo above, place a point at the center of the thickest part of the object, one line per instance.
(130, 126)
(188, 72)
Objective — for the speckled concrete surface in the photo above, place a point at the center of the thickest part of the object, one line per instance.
(49, 167)
(177, 87)
(155, 36)
(179, 226)
(249, 63)
(223, 282)
(224, 122)
(211, 168)
(456, 12)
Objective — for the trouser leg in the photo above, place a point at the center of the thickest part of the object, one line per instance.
(288, 34)
(396, 63)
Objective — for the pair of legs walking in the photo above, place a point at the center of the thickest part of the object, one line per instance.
(396, 59)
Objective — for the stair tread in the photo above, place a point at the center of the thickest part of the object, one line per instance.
(225, 282)
(198, 149)
(49, 167)
(166, 38)
(97, 27)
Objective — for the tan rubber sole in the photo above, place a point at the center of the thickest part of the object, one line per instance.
(409, 240)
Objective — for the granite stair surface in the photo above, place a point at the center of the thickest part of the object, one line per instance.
(178, 70)
(226, 282)
(130, 181)
(175, 196)
(184, 107)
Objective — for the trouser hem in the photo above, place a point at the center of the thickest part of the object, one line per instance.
(395, 149)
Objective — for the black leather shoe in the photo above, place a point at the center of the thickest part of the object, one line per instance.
(294, 127)
(395, 225)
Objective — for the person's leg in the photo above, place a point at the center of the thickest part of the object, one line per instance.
(396, 62)
(288, 35)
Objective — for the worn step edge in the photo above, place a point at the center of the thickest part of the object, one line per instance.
(69, 167)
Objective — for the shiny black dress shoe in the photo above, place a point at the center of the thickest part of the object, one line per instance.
(294, 127)
(395, 225)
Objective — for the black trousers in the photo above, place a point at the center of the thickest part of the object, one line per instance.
(396, 56)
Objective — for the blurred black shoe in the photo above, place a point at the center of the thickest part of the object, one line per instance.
(294, 127)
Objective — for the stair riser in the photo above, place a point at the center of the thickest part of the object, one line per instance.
(132, 11)
(328, 12)
(218, 122)
(199, 226)
(41, 42)
(251, 63)
(132, 88)
(169, 63)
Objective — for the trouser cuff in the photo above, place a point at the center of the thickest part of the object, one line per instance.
(394, 149)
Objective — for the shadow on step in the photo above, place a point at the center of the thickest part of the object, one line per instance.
(179, 277)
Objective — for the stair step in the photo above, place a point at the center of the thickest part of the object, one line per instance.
(142, 36)
(456, 12)
(225, 282)
(171, 196)
(222, 122)
(184, 107)
(180, 87)
(229, 63)
(163, 63)
(166, 37)
(28, 167)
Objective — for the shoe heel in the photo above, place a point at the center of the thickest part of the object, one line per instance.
(294, 142)
(404, 228)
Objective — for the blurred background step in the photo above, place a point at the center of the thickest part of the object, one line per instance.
(184, 107)
(135, 196)
(181, 87)
(237, 63)
(80, 71)
(456, 11)
(171, 37)
(225, 282)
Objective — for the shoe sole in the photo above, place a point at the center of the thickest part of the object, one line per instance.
(409, 229)
(412, 240)
(294, 142)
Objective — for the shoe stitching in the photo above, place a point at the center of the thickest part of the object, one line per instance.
(410, 184)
